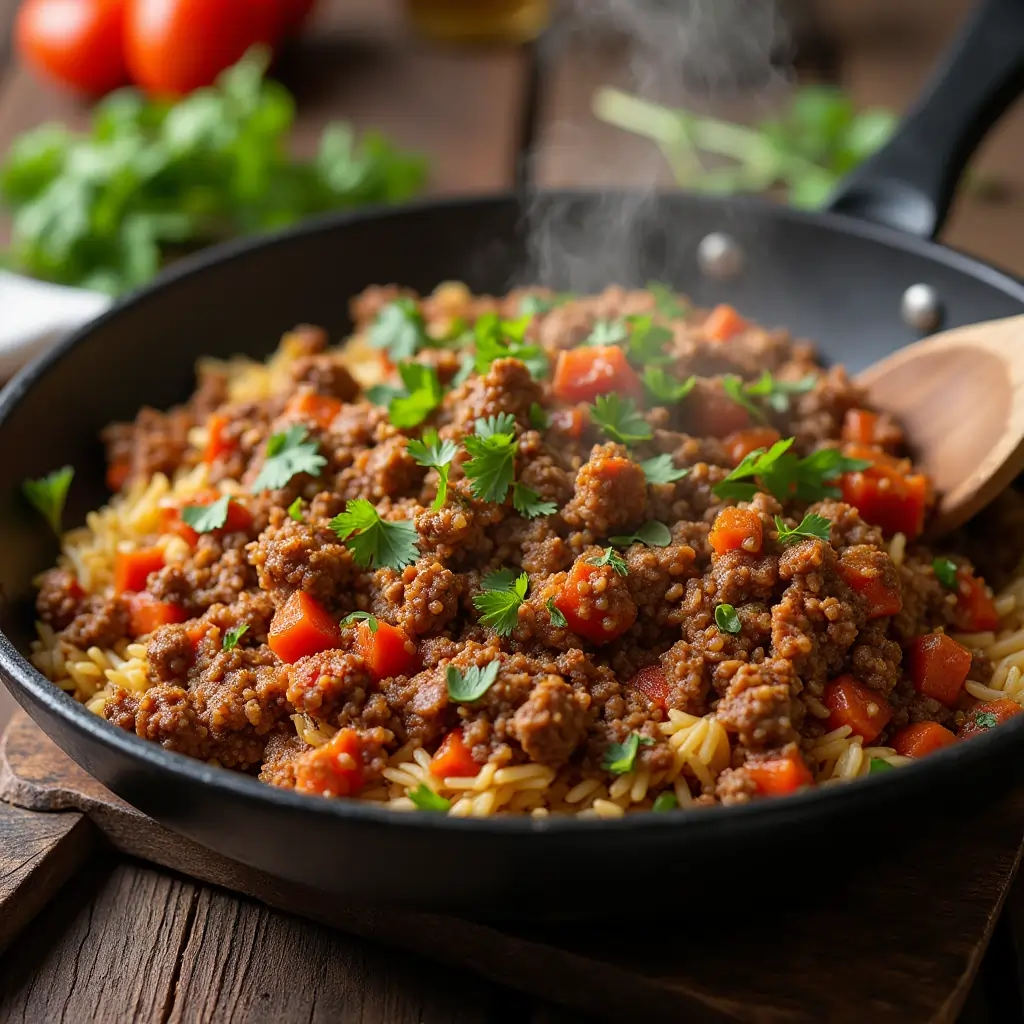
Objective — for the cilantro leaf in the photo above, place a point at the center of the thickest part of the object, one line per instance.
(878, 765)
(608, 332)
(427, 800)
(48, 495)
(558, 620)
(812, 525)
(492, 450)
(666, 387)
(470, 685)
(647, 340)
(539, 418)
(660, 470)
(527, 502)
(984, 719)
(500, 607)
(503, 339)
(435, 454)
(204, 518)
(619, 419)
(756, 463)
(287, 455)
(619, 758)
(667, 303)
(399, 330)
(382, 394)
(353, 617)
(500, 579)
(295, 510)
(726, 619)
(232, 636)
(734, 387)
(946, 573)
(613, 558)
(653, 534)
(777, 393)
(465, 370)
(421, 397)
(502, 424)
(373, 541)
(665, 801)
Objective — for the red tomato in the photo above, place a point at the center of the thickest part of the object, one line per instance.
(146, 613)
(175, 46)
(216, 443)
(652, 684)
(334, 769)
(866, 712)
(132, 569)
(454, 758)
(301, 626)
(860, 425)
(974, 608)
(388, 651)
(779, 776)
(76, 42)
(581, 374)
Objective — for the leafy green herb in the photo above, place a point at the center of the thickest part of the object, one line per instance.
(465, 371)
(726, 619)
(472, 684)
(667, 303)
(666, 387)
(204, 518)
(399, 329)
(619, 758)
(504, 339)
(500, 605)
(373, 541)
(287, 455)
(232, 636)
(353, 617)
(619, 419)
(383, 394)
(608, 332)
(295, 510)
(777, 393)
(48, 495)
(427, 800)
(985, 719)
(422, 395)
(500, 579)
(812, 525)
(946, 573)
(539, 419)
(434, 453)
(653, 534)
(660, 470)
(504, 424)
(558, 620)
(734, 387)
(665, 801)
(527, 502)
(877, 765)
(613, 558)
(533, 305)
(647, 340)
(491, 466)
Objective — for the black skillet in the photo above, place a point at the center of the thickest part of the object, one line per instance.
(832, 278)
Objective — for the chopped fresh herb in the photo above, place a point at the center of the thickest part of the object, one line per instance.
(985, 719)
(466, 363)
(666, 387)
(608, 332)
(527, 502)
(383, 394)
(204, 518)
(660, 470)
(619, 419)
(613, 558)
(502, 424)
(946, 573)
(539, 419)
(434, 453)
(399, 330)
(653, 534)
(665, 802)
(878, 765)
(48, 495)
(812, 525)
(295, 509)
(422, 395)
(500, 579)
(500, 604)
(619, 758)
(232, 636)
(504, 339)
(667, 303)
(375, 542)
(427, 800)
(734, 387)
(288, 454)
(353, 617)
(726, 619)
(777, 393)
(472, 684)
(492, 450)
(558, 620)
(647, 340)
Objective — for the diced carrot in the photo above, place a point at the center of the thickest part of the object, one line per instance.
(723, 322)
(333, 769)
(302, 626)
(939, 667)
(171, 522)
(888, 498)
(576, 601)
(779, 776)
(117, 474)
(308, 405)
(921, 738)
(975, 611)
(877, 456)
(736, 529)
(132, 568)
(388, 652)
(859, 425)
(865, 577)
(146, 613)
(852, 703)
(571, 422)
(741, 443)
(988, 716)
(652, 684)
(196, 631)
(581, 374)
(217, 444)
(453, 758)
(710, 412)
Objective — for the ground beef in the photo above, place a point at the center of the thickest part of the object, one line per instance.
(551, 723)
(331, 685)
(170, 654)
(156, 442)
(327, 375)
(100, 622)
(610, 493)
(59, 599)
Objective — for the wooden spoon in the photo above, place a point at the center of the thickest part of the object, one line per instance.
(960, 397)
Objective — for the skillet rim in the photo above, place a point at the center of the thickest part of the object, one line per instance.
(822, 802)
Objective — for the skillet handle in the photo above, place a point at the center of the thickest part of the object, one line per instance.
(909, 183)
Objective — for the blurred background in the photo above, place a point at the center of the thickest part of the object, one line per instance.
(134, 131)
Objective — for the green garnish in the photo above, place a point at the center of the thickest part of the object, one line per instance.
(532, 305)
(734, 387)
(288, 454)
(373, 541)
(427, 800)
(666, 387)
(49, 494)
(500, 579)
(527, 502)
(619, 419)
(504, 339)
(812, 525)
(472, 684)
(353, 617)
(777, 393)
(434, 453)
(232, 636)
(985, 719)
(501, 599)
(647, 340)
(399, 330)
(946, 573)
(295, 509)
(660, 470)
(667, 303)
(620, 757)
(877, 765)
(421, 396)
(653, 534)
(608, 332)
(555, 614)
(492, 450)
(539, 419)
(613, 558)
(205, 518)
(665, 802)
(726, 619)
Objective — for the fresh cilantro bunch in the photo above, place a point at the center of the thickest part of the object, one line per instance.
(105, 209)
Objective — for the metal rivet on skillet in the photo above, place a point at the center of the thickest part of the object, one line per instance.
(920, 307)
(719, 255)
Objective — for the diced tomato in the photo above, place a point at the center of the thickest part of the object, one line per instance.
(117, 474)
(171, 522)
(736, 529)
(131, 568)
(859, 425)
(333, 769)
(217, 444)
(238, 520)
(921, 738)
(866, 578)
(308, 405)
(577, 602)
(975, 611)
(887, 497)
(581, 374)
(196, 631)
(571, 422)
(723, 322)
(988, 716)
(652, 684)
(388, 652)
(146, 613)
(852, 703)
(302, 626)
(741, 443)
(454, 759)
(780, 775)
(710, 412)
(939, 667)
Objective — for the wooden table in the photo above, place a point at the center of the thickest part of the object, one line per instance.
(124, 940)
